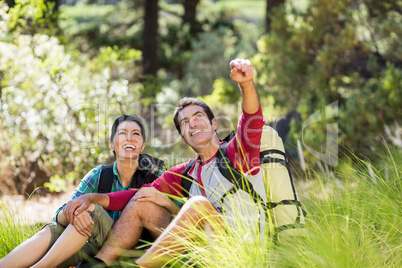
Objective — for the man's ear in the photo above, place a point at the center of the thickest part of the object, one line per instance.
(183, 139)
(214, 124)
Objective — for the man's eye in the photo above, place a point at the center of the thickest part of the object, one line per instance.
(183, 122)
(198, 116)
(122, 133)
(136, 133)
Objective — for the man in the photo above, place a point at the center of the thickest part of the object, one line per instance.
(197, 126)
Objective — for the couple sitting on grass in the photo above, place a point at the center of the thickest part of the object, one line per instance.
(90, 224)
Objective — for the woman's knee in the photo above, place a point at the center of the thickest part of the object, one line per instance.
(45, 233)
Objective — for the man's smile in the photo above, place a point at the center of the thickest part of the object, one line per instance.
(195, 132)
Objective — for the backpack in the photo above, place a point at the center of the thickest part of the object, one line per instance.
(148, 168)
(280, 202)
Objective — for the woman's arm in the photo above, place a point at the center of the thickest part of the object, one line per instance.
(88, 184)
(62, 219)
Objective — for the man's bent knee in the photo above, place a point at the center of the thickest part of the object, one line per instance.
(198, 207)
(198, 203)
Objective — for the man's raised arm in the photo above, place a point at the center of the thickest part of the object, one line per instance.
(242, 72)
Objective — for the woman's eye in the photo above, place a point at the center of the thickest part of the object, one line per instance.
(122, 133)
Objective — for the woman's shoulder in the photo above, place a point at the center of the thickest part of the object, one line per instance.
(94, 173)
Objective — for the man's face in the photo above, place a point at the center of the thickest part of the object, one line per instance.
(195, 128)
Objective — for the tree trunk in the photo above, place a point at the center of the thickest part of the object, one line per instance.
(56, 4)
(271, 4)
(189, 17)
(190, 11)
(10, 3)
(149, 47)
(149, 58)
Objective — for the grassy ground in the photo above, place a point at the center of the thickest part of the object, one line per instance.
(13, 230)
(354, 220)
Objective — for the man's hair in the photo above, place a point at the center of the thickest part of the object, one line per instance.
(184, 102)
(129, 118)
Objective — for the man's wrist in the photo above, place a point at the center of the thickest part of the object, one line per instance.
(246, 84)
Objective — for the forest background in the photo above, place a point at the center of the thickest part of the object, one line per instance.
(329, 74)
(69, 68)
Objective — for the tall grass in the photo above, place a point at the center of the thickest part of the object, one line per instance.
(354, 220)
(13, 229)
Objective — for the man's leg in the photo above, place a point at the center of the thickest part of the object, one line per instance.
(127, 230)
(30, 251)
(197, 214)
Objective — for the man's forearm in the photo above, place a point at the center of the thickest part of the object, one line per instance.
(250, 98)
(118, 200)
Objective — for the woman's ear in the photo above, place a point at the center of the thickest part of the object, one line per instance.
(143, 146)
(111, 145)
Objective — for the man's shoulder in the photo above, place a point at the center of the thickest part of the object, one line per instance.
(178, 169)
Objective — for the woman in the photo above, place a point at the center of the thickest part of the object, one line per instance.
(62, 244)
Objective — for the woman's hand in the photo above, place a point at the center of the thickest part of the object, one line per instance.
(79, 203)
(83, 223)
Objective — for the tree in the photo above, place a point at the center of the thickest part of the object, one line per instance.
(270, 7)
(188, 20)
(10, 3)
(56, 4)
(336, 52)
(190, 12)
(150, 35)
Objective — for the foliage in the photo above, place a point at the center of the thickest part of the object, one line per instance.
(33, 16)
(335, 51)
(59, 184)
(58, 96)
(222, 39)
(56, 111)
(87, 28)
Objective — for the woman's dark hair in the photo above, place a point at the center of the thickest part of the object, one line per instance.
(129, 118)
(184, 102)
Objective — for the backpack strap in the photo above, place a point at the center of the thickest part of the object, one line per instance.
(186, 181)
(106, 179)
(228, 171)
(232, 174)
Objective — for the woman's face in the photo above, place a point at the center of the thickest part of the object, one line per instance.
(127, 142)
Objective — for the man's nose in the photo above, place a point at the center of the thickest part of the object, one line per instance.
(193, 122)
